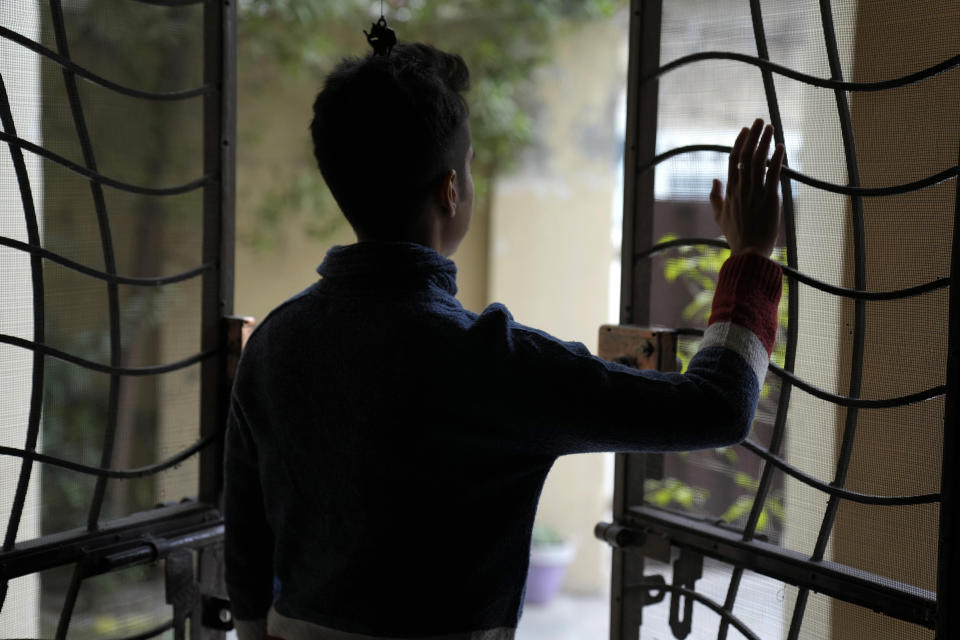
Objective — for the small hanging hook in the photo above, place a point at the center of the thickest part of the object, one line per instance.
(381, 37)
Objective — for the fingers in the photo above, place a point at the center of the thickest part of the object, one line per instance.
(746, 155)
(716, 200)
(773, 173)
(733, 170)
(760, 157)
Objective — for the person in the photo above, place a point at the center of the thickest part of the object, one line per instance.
(385, 447)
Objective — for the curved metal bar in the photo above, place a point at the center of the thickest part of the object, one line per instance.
(70, 599)
(155, 281)
(120, 474)
(36, 283)
(38, 48)
(704, 600)
(104, 368)
(826, 83)
(859, 403)
(793, 300)
(859, 315)
(833, 490)
(896, 294)
(844, 401)
(682, 242)
(20, 143)
(856, 294)
(848, 190)
(872, 192)
(678, 151)
(860, 278)
(109, 259)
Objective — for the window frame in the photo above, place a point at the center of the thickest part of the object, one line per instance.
(642, 529)
(194, 526)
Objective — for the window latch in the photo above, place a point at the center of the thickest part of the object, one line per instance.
(687, 569)
(183, 592)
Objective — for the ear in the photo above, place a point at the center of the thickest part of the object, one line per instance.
(448, 194)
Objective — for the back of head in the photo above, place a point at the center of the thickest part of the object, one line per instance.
(385, 128)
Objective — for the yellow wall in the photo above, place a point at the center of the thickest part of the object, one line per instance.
(551, 250)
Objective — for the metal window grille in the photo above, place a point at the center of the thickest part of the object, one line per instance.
(116, 186)
(859, 428)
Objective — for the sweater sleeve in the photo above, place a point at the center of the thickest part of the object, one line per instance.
(248, 539)
(562, 400)
(744, 314)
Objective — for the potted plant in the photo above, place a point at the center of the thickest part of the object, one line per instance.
(550, 555)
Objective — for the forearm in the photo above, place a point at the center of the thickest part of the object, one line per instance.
(743, 321)
(710, 405)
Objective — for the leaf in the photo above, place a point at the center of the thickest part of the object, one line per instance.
(762, 521)
(738, 509)
(684, 495)
(775, 506)
(662, 498)
(745, 480)
(728, 453)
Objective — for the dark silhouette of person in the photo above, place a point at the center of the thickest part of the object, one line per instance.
(385, 447)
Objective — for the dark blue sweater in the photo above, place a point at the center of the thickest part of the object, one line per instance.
(386, 448)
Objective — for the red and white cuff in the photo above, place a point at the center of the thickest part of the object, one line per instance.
(744, 314)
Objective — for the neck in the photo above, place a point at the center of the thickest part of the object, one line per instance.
(426, 233)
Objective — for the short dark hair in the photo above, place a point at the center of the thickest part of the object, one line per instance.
(401, 118)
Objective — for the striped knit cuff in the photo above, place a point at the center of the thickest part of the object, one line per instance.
(748, 293)
(741, 341)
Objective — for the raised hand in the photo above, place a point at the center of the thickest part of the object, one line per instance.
(749, 213)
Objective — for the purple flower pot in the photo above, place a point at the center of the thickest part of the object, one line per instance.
(548, 566)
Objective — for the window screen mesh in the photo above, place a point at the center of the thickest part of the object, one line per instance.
(864, 239)
(105, 105)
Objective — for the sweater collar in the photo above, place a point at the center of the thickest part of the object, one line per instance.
(375, 264)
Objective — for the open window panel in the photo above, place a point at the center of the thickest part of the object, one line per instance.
(116, 171)
(838, 517)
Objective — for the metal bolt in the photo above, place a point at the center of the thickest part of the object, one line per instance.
(647, 348)
(224, 615)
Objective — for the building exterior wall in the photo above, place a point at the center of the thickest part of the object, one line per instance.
(551, 250)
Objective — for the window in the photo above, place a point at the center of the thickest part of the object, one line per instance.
(825, 523)
(116, 182)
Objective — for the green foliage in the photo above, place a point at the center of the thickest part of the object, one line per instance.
(671, 491)
(772, 506)
(696, 268)
(502, 41)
